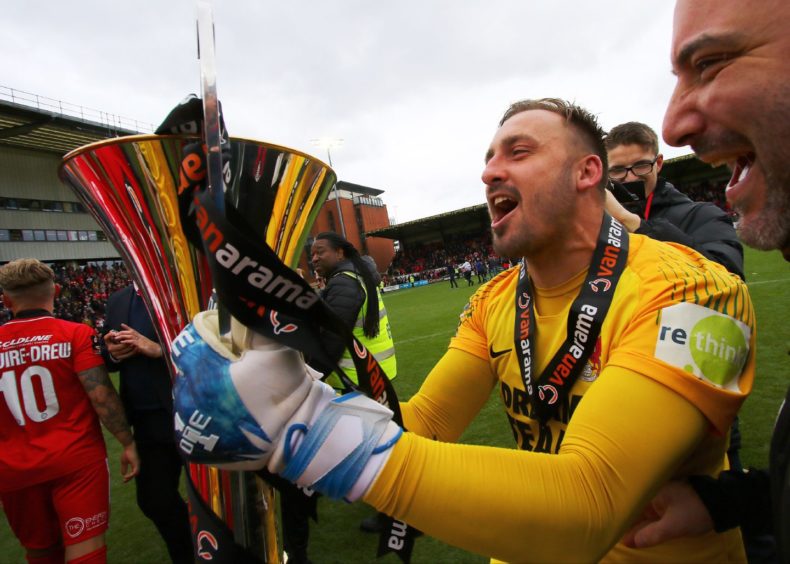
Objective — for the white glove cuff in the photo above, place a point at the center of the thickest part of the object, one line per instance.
(375, 463)
(339, 452)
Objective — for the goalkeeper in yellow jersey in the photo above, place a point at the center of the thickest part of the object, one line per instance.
(620, 362)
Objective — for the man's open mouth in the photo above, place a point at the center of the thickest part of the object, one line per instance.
(740, 169)
(501, 206)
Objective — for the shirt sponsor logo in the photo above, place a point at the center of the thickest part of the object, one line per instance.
(25, 341)
(712, 346)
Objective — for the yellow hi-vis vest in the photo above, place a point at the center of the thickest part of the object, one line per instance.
(380, 346)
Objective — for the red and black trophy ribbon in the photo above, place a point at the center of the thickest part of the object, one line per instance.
(277, 302)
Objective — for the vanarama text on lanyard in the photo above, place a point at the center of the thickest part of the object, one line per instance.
(585, 320)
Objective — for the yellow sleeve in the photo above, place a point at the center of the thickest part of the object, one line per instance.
(450, 397)
(693, 330)
(526, 506)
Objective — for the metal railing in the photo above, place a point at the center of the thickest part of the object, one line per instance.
(88, 115)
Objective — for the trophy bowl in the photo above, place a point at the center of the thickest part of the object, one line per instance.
(130, 185)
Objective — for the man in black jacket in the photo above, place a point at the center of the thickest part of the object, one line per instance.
(668, 215)
(131, 346)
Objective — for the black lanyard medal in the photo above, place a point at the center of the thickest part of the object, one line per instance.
(585, 319)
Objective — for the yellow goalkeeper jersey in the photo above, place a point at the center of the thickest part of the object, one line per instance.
(673, 363)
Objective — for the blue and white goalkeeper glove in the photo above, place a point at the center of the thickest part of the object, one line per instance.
(266, 407)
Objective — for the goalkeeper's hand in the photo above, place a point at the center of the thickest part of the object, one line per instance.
(266, 407)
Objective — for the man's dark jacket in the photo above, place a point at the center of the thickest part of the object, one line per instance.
(345, 296)
(779, 466)
(703, 226)
(759, 500)
(143, 379)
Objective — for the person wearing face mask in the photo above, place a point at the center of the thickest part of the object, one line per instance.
(665, 213)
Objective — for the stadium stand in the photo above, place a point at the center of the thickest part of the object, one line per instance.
(84, 291)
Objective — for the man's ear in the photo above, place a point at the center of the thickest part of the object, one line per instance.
(659, 162)
(58, 288)
(589, 171)
(7, 301)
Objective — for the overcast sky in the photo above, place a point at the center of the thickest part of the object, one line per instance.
(414, 88)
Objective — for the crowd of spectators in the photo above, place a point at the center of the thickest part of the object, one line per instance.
(84, 290)
(707, 192)
(432, 261)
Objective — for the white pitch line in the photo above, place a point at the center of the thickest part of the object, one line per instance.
(768, 281)
(421, 337)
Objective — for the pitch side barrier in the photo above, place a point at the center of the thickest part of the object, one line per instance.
(416, 283)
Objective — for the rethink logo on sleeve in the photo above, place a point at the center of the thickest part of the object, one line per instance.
(708, 344)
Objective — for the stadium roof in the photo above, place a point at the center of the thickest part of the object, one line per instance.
(688, 169)
(358, 188)
(46, 125)
(473, 219)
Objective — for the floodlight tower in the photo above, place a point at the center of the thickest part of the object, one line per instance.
(329, 143)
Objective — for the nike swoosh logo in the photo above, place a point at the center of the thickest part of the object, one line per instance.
(493, 354)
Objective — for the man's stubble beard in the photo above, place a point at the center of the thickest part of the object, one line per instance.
(557, 202)
(770, 229)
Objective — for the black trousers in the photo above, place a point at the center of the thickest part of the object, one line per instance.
(157, 485)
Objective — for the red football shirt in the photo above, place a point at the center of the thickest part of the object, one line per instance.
(48, 426)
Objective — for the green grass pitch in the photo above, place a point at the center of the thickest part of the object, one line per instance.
(423, 320)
